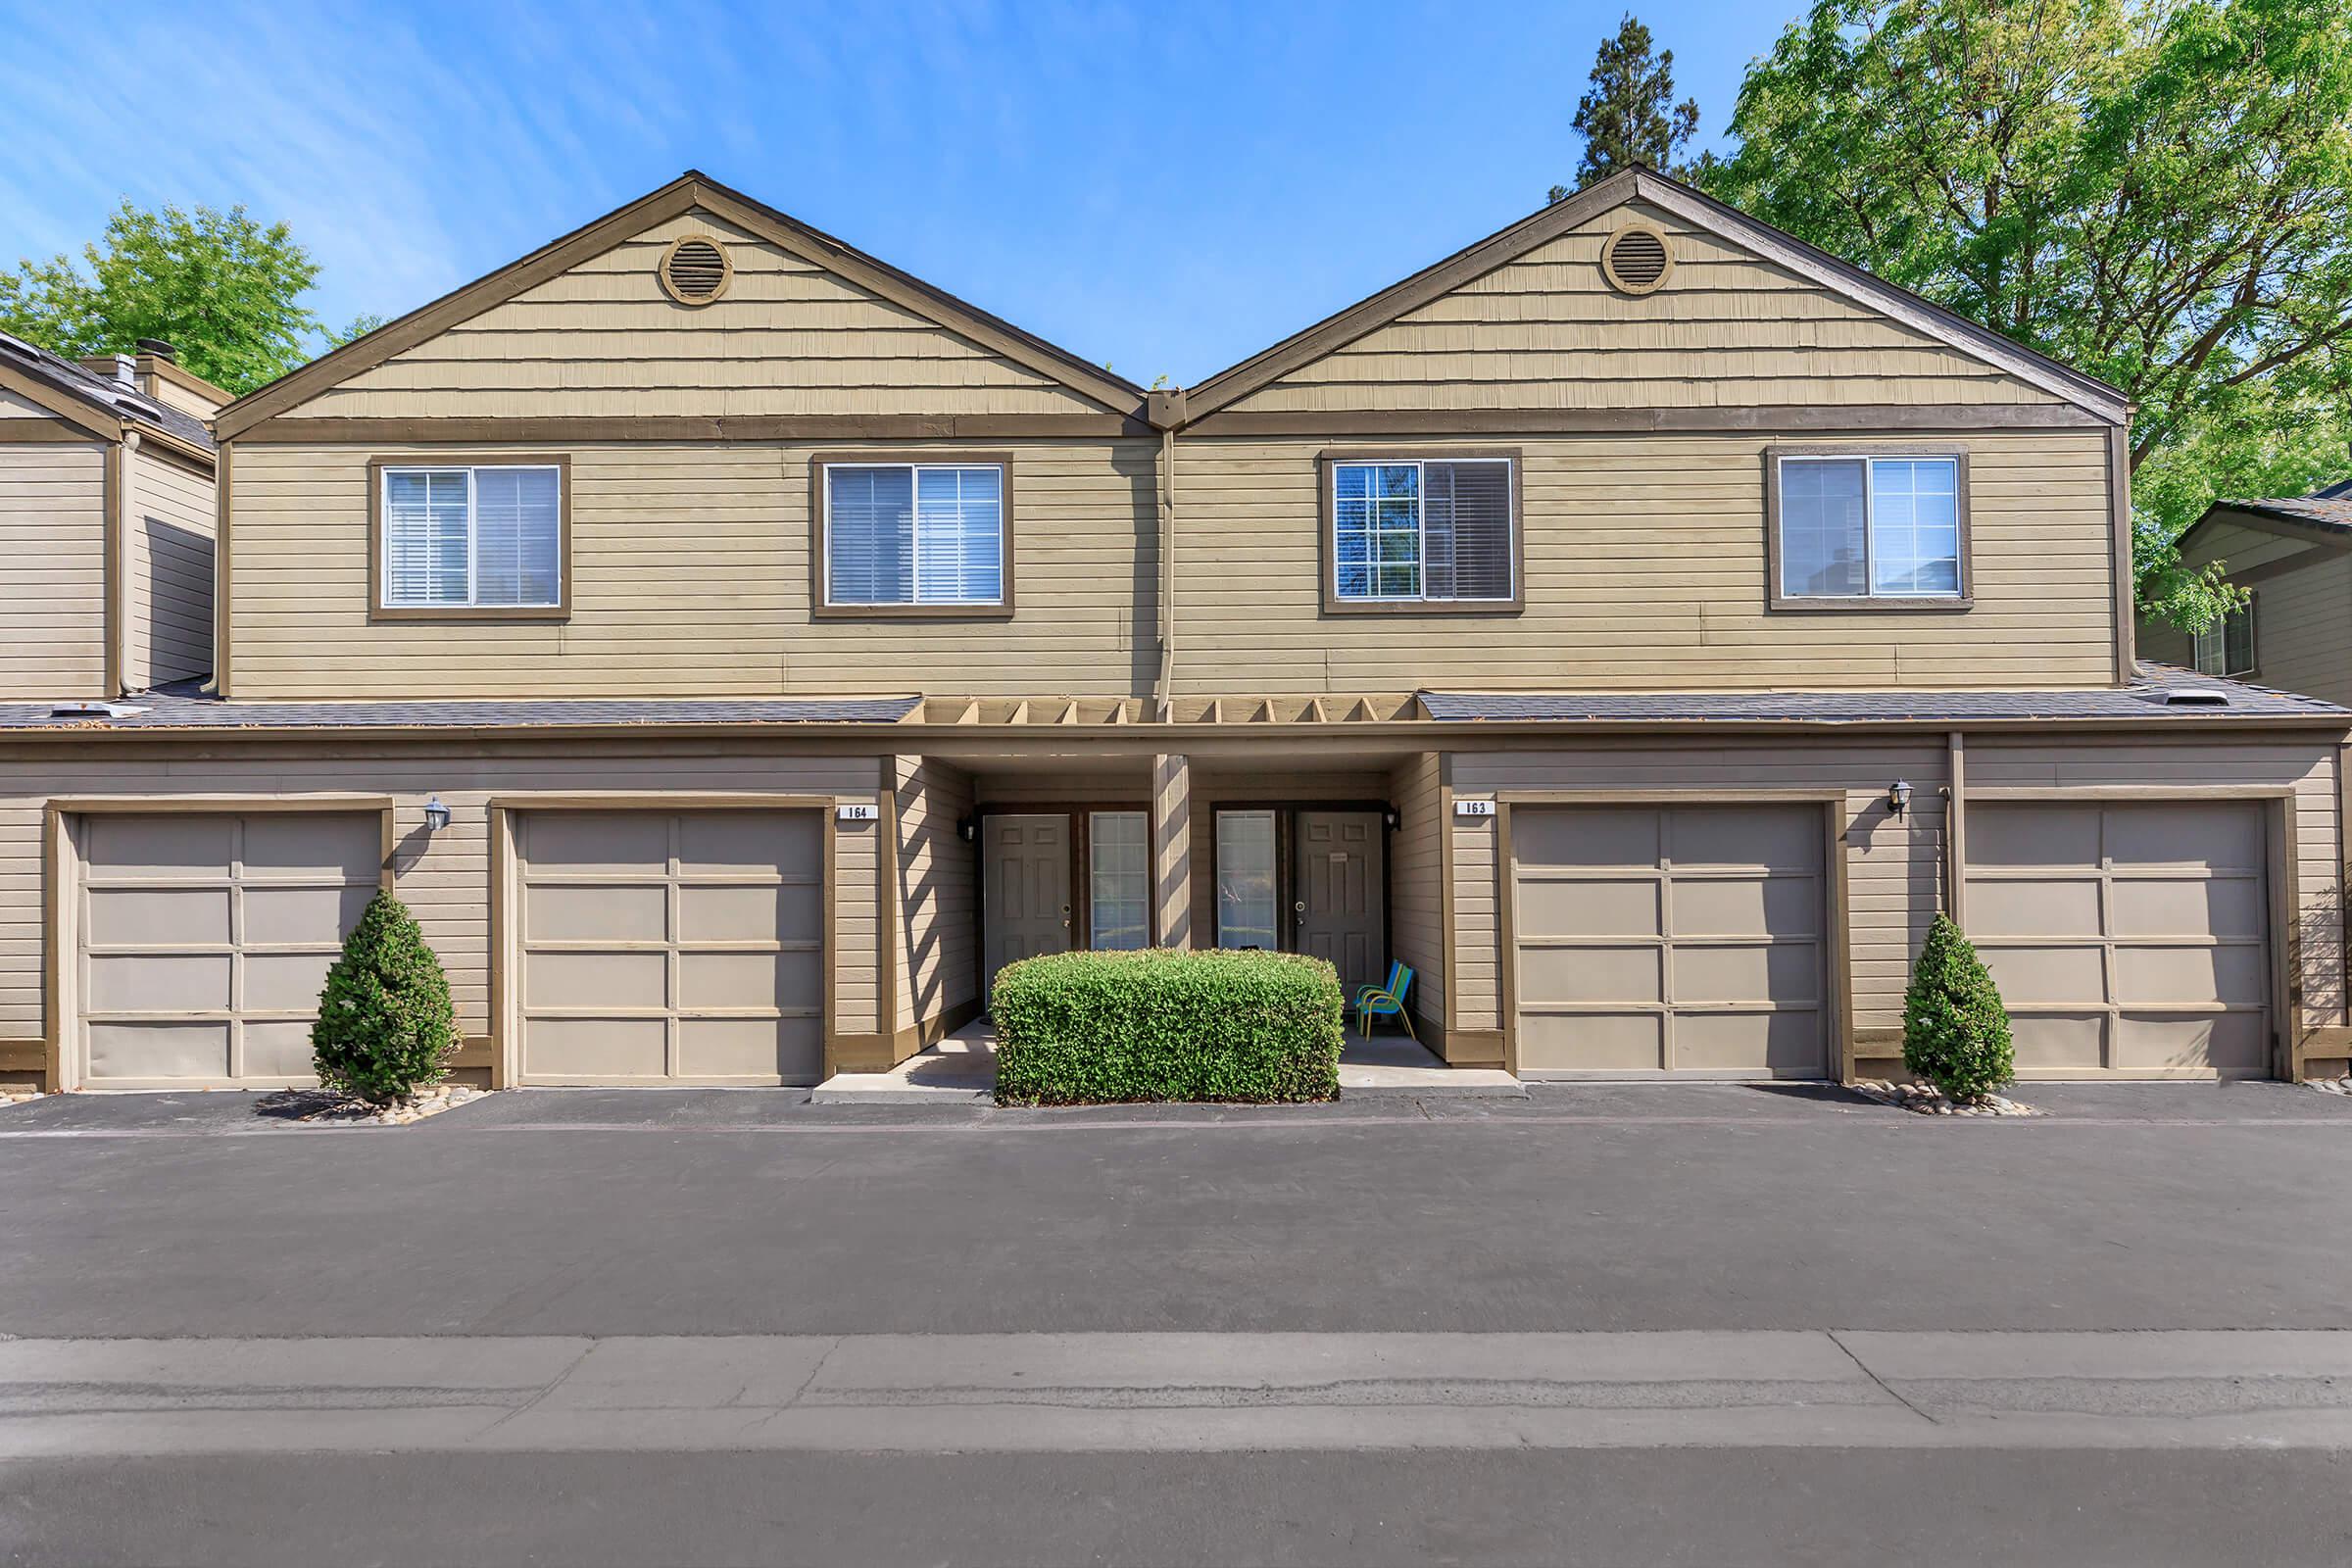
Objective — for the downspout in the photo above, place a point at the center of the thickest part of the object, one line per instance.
(1166, 411)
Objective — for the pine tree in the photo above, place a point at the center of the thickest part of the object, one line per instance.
(1956, 1029)
(385, 1027)
(1629, 116)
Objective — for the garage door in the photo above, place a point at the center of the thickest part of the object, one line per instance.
(671, 946)
(1682, 940)
(2126, 938)
(204, 941)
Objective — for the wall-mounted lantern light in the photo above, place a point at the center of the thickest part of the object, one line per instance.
(1899, 797)
(436, 814)
(1389, 816)
(967, 828)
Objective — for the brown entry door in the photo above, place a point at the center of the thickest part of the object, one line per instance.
(1025, 878)
(1336, 908)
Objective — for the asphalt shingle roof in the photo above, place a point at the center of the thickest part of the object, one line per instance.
(2330, 509)
(183, 710)
(113, 397)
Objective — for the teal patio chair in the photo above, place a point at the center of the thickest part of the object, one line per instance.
(1374, 1001)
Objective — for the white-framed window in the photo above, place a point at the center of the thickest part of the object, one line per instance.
(1119, 886)
(1855, 527)
(2226, 646)
(472, 536)
(914, 533)
(1427, 530)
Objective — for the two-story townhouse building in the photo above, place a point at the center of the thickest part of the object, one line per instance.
(735, 648)
(2292, 555)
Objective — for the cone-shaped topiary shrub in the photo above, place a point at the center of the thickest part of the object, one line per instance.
(1955, 1030)
(385, 1026)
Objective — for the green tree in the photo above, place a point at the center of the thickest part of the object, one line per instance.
(222, 288)
(386, 1026)
(2155, 191)
(1627, 116)
(358, 328)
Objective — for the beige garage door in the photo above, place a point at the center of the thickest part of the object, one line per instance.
(205, 939)
(2126, 938)
(1682, 940)
(671, 946)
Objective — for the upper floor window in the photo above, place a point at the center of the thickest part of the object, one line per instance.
(1416, 532)
(2226, 646)
(1869, 528)
(462, 537)
(914, 536)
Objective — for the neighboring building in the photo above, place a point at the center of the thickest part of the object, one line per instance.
(1640, 623)
(2293, 556)
(105, 522)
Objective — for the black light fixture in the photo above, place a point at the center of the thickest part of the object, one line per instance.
(1389, 816)
(436, 814)
(1899, 797)
(967, 828)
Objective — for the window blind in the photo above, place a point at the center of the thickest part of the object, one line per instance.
(1427, 530)
(915, 534)
(487, 537)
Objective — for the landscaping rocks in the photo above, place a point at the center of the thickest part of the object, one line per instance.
(326, 1105)
(2330, 1086)
(1928, 1101)
(17, 1097)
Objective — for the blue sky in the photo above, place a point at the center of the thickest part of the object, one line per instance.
(1166, 186)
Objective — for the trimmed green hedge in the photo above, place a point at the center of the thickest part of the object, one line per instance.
(1089, 1028)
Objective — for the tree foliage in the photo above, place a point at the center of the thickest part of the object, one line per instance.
(387, 1027)
(1956, 1029)
(2158, 192)
(1627, 116)
(222, 288)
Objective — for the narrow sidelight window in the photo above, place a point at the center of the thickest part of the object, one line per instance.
(2226, 646)
(1247, 913)
(1865, 527)
(910, 534)
(1119, 886)
(477, 537)
(1422, 531)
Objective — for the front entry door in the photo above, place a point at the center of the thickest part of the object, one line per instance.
(1336, 909)
(1025, 877)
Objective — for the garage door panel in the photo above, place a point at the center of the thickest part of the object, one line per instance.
(164, 846)
(1584, 907)
(1785, 1042)
(1629, 1041)
(159, 982)
(749, 1047)
(191, 916)
(285, 982)
(1589, 838)
(2174, 974)
(1777, 839)
(301, 846)
(789, 979)
(597, 1048)
(598, 840)
(2233, 1043)
(788, 912)
(2189, 834)
(2040, 834)
(1785, 971)
(1587, 974)
(608, 979)
(303, 913)
(2058, 1041)
(595, 912)
(1744, 907)
(748, 842)
(2029, 976)
(2177, 907)
(278, 1048)
(2033, 907)
(175, 1050)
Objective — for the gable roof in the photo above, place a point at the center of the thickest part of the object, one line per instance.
(97, 405)
(2321, 518)
(689, 191)
(1702, 211)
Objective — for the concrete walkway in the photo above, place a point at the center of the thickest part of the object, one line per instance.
(962, 1069)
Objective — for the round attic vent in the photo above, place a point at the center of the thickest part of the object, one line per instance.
(1636, 261)
(695, 270)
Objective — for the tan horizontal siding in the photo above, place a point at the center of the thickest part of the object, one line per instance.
(939, 894)
(691, 576)
(1728, 329)
(444, 877)
(603, 340)
(1645, 560)
(53, 570)
(168, 552)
